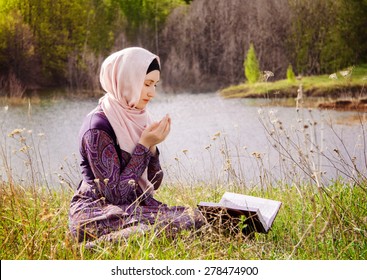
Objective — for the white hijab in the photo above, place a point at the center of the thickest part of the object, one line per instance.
(122, 77)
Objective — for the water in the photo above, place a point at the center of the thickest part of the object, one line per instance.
(212, 139)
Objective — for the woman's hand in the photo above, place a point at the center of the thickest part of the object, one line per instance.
(156, 133)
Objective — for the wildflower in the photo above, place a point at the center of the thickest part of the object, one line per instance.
(23, 149)
(344, 73)
(274, 121)
(15, 132)
(267, 75)
(256, 155)
(333, 76)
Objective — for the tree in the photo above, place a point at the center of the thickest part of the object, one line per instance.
(251, 65)
(290, 74)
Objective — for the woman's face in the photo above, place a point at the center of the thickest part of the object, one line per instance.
(148, 90)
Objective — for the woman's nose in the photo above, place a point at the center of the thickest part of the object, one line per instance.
(151, 92)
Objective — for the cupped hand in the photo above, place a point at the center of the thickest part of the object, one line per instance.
(156, 132)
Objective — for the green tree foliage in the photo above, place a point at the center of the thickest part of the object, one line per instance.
(146, 18)
(251, 65)
(68, 38)
(327, 35)
(59, 33)
(18, 58)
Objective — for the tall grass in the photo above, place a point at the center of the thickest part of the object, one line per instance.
(319, 218)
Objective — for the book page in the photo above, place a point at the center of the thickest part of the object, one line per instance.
(267, 207)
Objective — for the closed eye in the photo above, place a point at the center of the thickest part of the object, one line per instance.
(149, 83)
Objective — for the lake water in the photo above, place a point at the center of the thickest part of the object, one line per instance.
(212, 140)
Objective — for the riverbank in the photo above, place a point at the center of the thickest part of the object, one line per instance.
(313, 223)
(343, 90)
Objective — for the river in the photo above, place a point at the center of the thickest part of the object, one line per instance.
(212, 140)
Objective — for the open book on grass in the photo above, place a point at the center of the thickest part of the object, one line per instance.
(249, 212)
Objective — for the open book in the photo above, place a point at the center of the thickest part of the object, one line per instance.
(254, 213)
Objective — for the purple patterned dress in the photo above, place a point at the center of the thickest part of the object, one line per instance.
(108, 198)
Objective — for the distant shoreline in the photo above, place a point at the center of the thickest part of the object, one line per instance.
(338, 92)
(343, 98)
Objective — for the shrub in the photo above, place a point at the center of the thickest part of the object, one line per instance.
(251, 65)
(290, 74)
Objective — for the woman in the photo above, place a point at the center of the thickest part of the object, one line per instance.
(119, 156)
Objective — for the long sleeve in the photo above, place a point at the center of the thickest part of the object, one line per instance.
(155, 174)
(114, 176)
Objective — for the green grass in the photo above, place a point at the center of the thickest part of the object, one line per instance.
(312, 224)
(317, 86)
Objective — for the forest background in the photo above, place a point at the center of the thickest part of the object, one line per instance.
(202, 43)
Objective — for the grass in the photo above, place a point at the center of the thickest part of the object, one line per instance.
(317, 220)
(317, 86)
(312, 224)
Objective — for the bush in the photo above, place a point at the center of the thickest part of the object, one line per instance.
(290, 74)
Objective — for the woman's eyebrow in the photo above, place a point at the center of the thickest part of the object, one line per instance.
(149, 80)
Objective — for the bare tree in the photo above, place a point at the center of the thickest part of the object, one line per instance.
(206, 42)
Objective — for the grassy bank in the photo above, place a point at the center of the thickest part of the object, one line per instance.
(313, 223)
(335, 86)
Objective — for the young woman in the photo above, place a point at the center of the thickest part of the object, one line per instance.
(119, 156)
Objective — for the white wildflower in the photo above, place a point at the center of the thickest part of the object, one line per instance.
(344, 73)
(333, 76)
(267, 75)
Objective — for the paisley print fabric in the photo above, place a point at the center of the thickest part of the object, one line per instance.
(109, 197)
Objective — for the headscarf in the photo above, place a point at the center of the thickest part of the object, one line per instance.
(122, 77)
